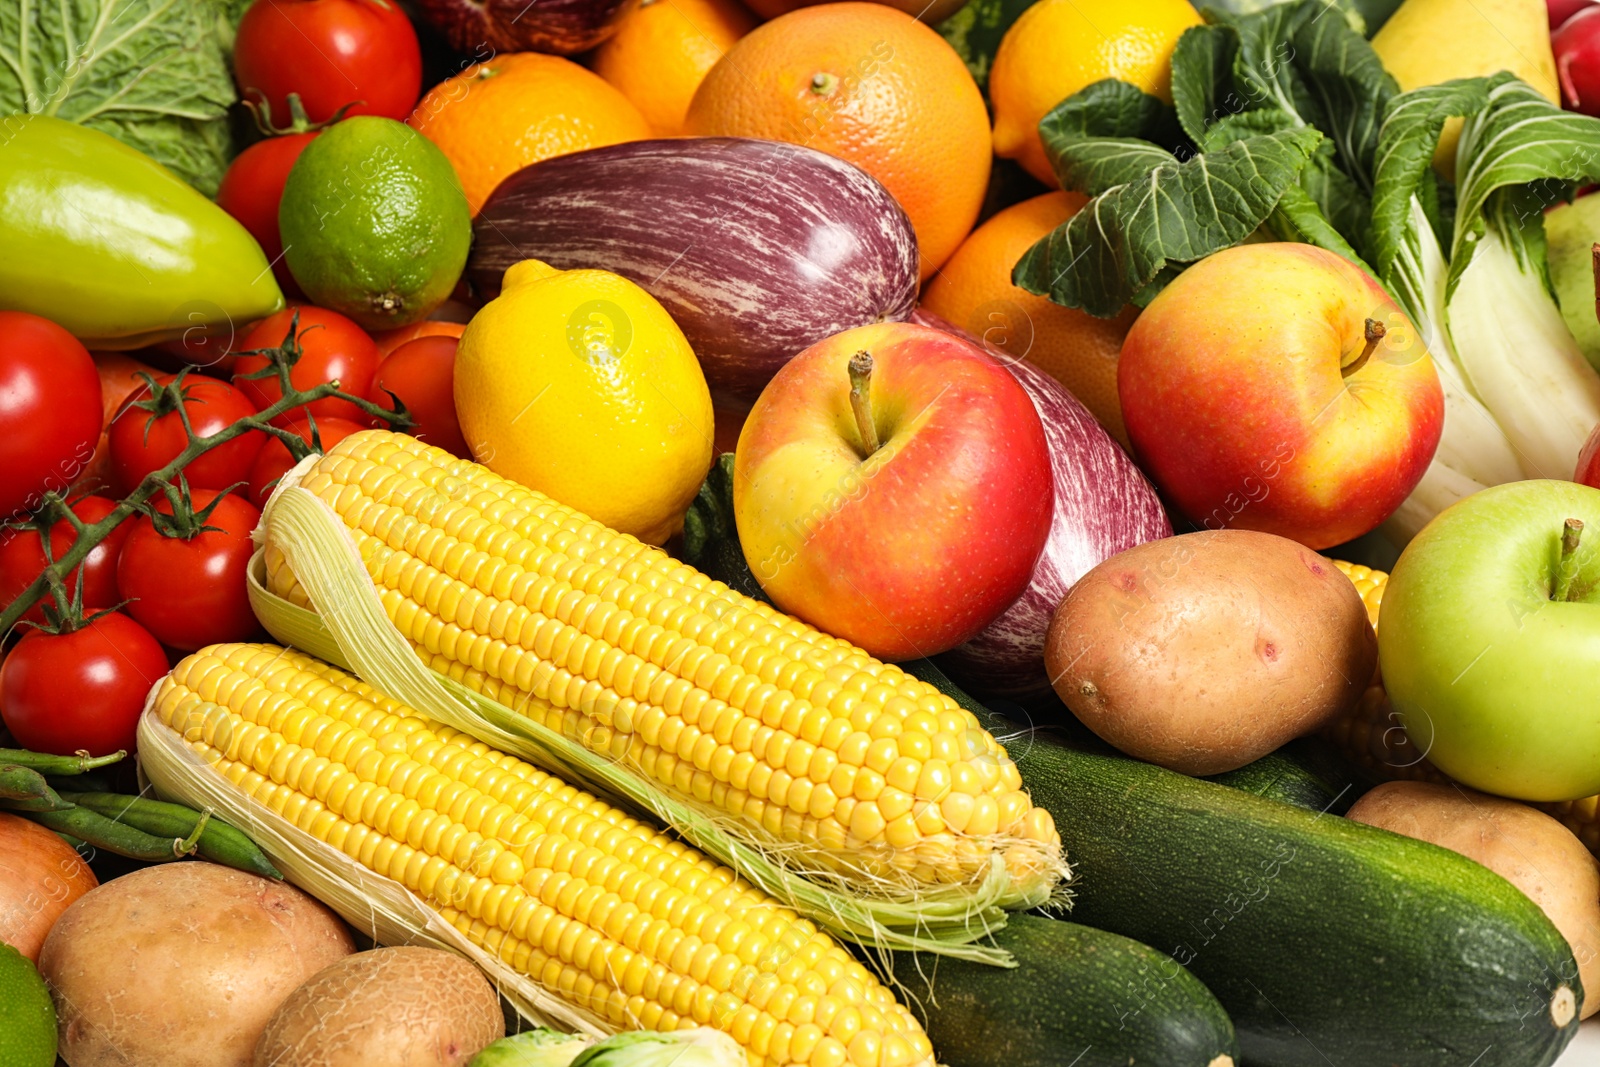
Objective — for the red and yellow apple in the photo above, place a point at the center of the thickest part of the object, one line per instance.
(909, 544)
(1277, 387)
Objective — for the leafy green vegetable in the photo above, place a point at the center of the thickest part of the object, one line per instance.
(533, 1048)
(151, 73)
(1109, 134)
(1110, 252)
(700, 1047)
(976, 30)
(1202, 78)
(1403, 169)
(1291, 89)
(1518, 139)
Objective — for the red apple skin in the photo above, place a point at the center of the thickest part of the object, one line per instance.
(1234, 397)
(1588, 472)
(918, 548)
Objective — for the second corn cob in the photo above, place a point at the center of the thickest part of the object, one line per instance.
(630, 927)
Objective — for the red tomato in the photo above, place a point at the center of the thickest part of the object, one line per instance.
(22, 559)
(50, 414)
(275, 459)
(142, 441)
(190, 592)
(83, 690)
(333, 349)
(331, 52)
(420, 373)
(253, 186)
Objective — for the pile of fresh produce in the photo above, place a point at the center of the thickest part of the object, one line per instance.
(1043, 533)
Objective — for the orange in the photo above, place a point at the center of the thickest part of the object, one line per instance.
(662, 50)
(930, 11)
(1057, 47)
(974, 291)
(870, 85)
(495, 118)
(389, 340)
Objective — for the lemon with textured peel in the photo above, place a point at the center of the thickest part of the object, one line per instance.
(579, 384)
(1058, 47)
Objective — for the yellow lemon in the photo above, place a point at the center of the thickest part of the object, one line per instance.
(578, 384)
(1060, 46)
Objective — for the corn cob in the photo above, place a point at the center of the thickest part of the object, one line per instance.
(627, 925)
(536, 621)
(1371, 735)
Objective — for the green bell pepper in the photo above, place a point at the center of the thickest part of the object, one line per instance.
(108, 243)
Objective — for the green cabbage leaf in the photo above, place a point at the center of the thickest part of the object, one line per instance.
(151, 73)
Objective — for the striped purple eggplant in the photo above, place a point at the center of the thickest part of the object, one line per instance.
(1103, 505)
(757, 248)
(483, 28)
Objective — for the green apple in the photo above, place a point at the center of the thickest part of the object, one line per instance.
(1489, 640)
(1570, 232)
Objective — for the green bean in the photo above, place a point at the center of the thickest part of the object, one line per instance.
(45, 763)
(103, 833)
(47, 800)
(219, 842)
(21, 783)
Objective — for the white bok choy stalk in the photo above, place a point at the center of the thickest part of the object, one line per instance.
(1519, 397)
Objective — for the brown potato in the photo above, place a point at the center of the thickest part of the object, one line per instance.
(182, 965)
(391, 1007)
(1205, 651)
(1524, 846)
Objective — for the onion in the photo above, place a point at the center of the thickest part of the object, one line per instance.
(1103, 505)
(40, 875)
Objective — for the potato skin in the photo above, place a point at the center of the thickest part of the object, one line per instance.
(1523, 845)
(1208, 650)
(390, 1007)
(182, 965)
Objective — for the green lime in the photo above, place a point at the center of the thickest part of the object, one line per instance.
(27, 1018)
(374, 222)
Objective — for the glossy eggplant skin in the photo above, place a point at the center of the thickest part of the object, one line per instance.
(758, 249)
(489, 27)
(1103, 505)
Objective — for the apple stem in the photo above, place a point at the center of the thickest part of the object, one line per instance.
(1567, 568)
(861, 399)
(1594, 258)
(1373, 331)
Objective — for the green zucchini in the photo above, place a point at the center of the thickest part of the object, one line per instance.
(1330, 943)
(1077, 996)
(1307, 772)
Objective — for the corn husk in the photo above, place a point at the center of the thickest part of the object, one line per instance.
(379, 907)
(352, 629)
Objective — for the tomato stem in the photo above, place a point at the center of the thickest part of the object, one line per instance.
(64, 612)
